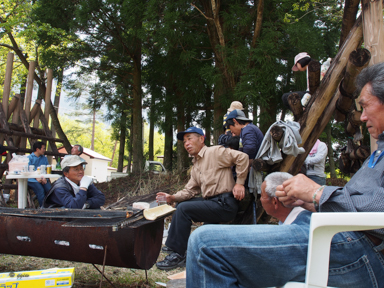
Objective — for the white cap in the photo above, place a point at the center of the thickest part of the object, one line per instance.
(298, 57)
(235, 105)
(72, 161)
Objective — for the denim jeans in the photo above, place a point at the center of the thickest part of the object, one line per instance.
(271, 255)
(40, 190)
(319, 180)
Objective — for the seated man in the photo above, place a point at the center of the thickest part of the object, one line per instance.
(39, 185)
(77, 150)
(74, 190)
(272, 255)
(272, 205)
(211, 176)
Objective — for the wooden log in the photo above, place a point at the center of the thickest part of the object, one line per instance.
(360, 153)
(351, 129)
(26, 150)
(294, 101)
(35, 110)
(354, 118)
(48, 93)
(5, 126)
(28, 96)
(314, 68)
(276, 133)
(7, 82)
(260, 165)
(357, 61)
(349, 17)
(33, 136)
(25, 124)
(373, 36)
(48, 132)
(19, 128)
(8, 186)
(7, 87)
(12, 106)
(320, 111)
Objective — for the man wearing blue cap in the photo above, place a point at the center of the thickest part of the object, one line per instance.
(211, 176)
(250, 135)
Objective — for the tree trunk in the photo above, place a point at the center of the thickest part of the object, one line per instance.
(113, 154)
(151, 130)
(123, 129)
(93, 130)
(137, 133)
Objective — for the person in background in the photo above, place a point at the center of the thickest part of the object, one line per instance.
(77, 150)
(40, 186)
(223, 138)
(315, 162)
(74, 190)
(250, 135)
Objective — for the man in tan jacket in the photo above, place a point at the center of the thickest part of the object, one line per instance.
(211, 176)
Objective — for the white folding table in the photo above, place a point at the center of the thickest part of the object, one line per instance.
(23, 185)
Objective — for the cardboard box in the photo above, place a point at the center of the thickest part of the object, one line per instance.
(55, 277)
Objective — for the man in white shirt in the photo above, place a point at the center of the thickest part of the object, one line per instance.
(271, 203)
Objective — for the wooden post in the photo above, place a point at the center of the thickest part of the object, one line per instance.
(373, 35)
(48, 93)
(7, 87)
(28, 96)
(7, 82)
(319, 111)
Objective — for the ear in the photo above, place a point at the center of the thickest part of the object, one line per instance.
(275, 203)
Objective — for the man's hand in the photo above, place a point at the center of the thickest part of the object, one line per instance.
(85, 182)
(42, 180)
(238, 191)
(170, 198)
(297, 190)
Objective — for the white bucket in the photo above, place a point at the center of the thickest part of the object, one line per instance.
(6, 197)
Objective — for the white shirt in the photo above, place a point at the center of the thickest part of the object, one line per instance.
(292, 216)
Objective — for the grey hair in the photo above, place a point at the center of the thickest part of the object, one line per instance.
(373, 75)
(273, 180)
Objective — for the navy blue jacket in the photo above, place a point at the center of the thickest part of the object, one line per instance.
(62, 195)
(251, 138)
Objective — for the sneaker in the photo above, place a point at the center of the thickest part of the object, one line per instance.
(172, 261)
(166, 249)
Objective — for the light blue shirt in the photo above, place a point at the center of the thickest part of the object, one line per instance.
(37, 161)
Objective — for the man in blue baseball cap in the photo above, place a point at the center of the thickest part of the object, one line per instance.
(250, 135)
(211, 176)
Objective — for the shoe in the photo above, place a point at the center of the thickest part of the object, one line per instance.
(172, 261)
(166, 249)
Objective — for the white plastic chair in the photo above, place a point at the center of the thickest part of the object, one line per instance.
(323, 227)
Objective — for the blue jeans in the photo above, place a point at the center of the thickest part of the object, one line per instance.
(319, 180)
(271, 255)
(40, 190)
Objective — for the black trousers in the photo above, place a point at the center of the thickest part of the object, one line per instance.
(222, 208)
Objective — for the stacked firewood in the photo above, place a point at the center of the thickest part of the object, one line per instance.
(346, 110)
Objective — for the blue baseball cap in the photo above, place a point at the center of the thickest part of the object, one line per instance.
(180, 135)
(237, 114)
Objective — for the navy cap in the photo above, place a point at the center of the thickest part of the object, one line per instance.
(237, 114)
(180, 135)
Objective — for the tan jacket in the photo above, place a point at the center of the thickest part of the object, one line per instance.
(211, 173)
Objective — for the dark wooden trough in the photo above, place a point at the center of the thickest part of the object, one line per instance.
(124, 238)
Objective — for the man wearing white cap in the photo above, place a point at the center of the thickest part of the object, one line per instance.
(74, 190)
